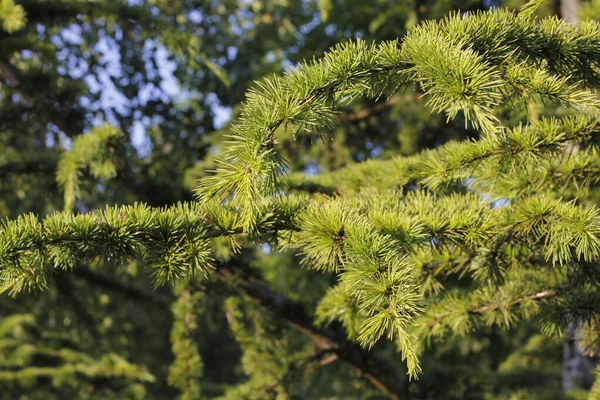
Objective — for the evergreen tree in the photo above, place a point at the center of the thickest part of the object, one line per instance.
(51, 70)
(495, 232)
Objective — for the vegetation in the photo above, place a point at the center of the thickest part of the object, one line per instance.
(453, 271)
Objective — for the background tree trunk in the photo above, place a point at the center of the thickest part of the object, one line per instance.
(569, 10)
(577, 368)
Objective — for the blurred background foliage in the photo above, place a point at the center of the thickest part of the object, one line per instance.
(170, 75)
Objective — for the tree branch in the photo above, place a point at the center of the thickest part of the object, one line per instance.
(537, 296)
(375, 108)
(325, 339)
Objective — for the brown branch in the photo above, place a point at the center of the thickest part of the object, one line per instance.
(535, 296)
(377, 107)
(325, 339)
(490, 307)
(10, 73)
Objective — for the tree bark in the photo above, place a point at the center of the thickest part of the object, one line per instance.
(577, 368)
(569, 11)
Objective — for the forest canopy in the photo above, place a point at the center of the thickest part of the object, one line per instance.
(403, 204)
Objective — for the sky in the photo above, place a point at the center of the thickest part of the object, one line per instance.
(154, 53)
(101, 81)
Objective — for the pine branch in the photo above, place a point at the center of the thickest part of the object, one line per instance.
(12, 16)
(377, 107)
(514, 153)
(467, 64)
(372, 237)
(503, 305)
(45, 163)
(187, 368)
(492, 307)
(175, 243)
(530, 7)
(99, 151)
(251, 167)
(32, 347)
(326, 340)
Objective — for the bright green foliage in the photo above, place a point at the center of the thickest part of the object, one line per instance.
(479, 234)
(99, 151)
(469, 64)
(12, 16)
(21, 343)
(186, 370)
(595, 391)
(464, 63)
(590, 9)
(530, 158)
(271, 355)
(530, 8)
(325, 7)
(173, 242)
